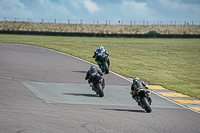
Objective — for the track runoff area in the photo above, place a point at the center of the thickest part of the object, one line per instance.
(73, 98)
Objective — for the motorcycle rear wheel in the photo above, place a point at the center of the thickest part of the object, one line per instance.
(99, 89)
(146, 105)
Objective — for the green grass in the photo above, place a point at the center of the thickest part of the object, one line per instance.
(171, 63)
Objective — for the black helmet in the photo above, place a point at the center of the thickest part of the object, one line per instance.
(135, 79)
(93, 69)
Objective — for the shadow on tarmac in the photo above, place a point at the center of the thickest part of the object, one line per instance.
(128, 110)
(80, 71)
(76, 94)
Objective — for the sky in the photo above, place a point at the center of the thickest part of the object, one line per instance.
(100, 11)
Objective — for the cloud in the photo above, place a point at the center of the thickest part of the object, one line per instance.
(102, 10)
(178, 10)
(13, 8)
(91, 6)
(134, 10)
(125, 11)
(189, 1)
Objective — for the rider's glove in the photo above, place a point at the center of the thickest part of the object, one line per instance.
(131, 92)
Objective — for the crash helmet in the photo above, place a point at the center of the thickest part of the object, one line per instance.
(101, 47)
(135, 79)
(93, 69)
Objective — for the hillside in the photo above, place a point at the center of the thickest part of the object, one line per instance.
(101, 28)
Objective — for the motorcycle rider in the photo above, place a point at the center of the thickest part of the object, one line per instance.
(92, 73)
(137, 83)
(98, 58)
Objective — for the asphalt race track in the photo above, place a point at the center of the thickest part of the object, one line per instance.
(44, 91)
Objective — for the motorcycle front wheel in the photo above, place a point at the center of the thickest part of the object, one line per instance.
(146, 104)
(105, 68)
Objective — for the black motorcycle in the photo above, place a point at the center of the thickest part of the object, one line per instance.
(103, 61)
(98, 85)
(143, 99)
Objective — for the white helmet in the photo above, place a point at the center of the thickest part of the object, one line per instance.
(101, 47)
(135, 79)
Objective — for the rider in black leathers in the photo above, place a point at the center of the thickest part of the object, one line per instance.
(92, 73)
(137, 83)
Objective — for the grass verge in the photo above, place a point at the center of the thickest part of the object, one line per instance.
(171, 63)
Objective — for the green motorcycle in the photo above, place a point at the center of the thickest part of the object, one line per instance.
(103, 63)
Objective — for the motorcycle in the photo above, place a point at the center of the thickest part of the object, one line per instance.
(143, 99)
(103, 63)
(98, 85)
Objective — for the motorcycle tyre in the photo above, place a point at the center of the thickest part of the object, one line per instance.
(103, 83)
(146, 105)
(105, 67)
(100, 90)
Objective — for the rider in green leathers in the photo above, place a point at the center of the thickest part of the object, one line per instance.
(98, 58)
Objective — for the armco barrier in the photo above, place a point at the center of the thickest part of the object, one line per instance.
(99, 34)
